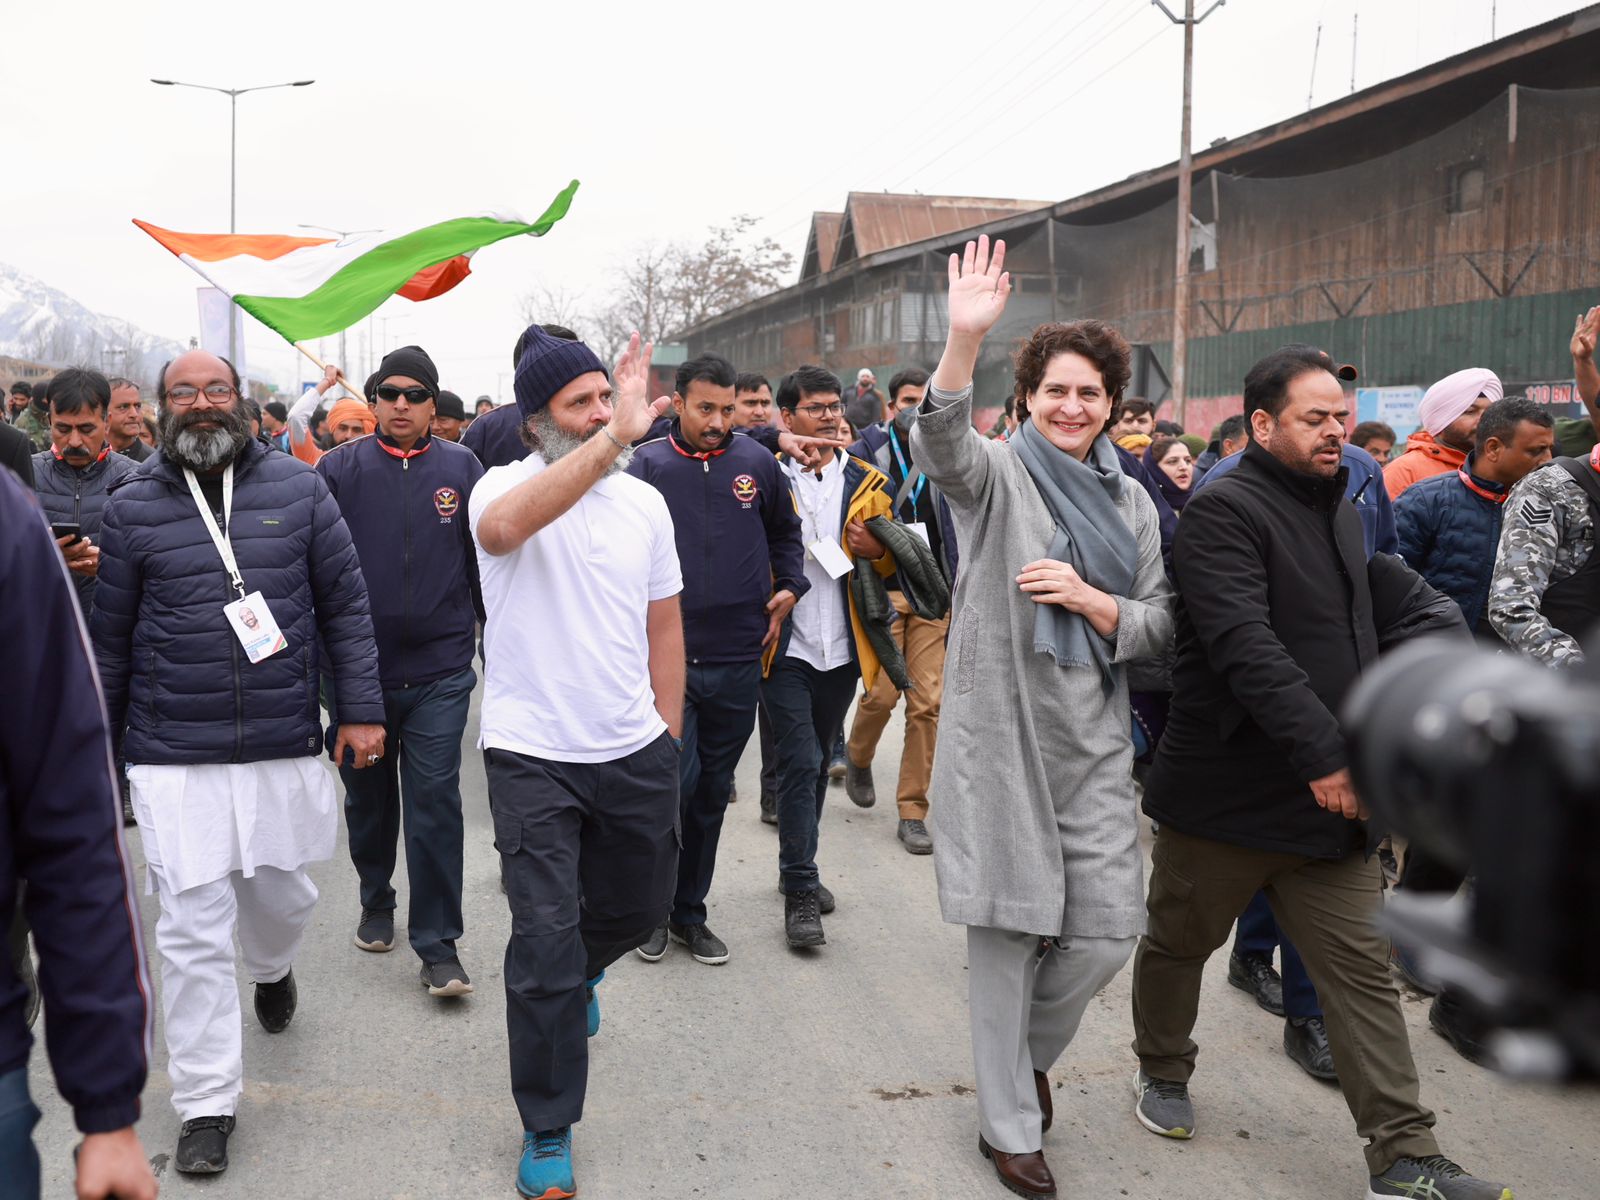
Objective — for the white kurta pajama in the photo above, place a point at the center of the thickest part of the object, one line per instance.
(226, 846)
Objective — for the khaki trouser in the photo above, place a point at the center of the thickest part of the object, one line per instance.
(1328, 909)
(922, 642)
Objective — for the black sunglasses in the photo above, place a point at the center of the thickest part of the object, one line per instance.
(413, 395)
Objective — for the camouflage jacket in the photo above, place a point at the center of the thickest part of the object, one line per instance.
(36, 426)
(1547, 534)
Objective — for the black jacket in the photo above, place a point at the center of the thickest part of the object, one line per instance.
(71, 496)
(61, 814)
(1280, 613)
(179, 688)
(16, 452)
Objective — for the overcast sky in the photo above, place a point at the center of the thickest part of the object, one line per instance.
(674, 117)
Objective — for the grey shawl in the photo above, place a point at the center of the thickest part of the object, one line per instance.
(1089, 533)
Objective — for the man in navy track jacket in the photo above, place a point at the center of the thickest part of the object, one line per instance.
(210, 547)
(738, 538)
(60, 807)
(404, 496)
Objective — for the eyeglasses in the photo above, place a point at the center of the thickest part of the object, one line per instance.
(184, 395)
(814, 411)
(413, 395)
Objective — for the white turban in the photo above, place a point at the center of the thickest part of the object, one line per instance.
(1454, 394)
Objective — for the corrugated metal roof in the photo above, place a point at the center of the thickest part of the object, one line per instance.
(821, 243)
(875, 221)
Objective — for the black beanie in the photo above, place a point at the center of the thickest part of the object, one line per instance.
(412, 362)
(449, 405)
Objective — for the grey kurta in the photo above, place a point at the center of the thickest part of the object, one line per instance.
(1033, 807)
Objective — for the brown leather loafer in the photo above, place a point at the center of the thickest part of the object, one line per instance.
(1041, 1083)
(1024, 1174)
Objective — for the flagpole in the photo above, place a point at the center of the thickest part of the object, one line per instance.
(343, 382)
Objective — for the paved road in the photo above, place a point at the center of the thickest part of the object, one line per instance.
(843, 1072)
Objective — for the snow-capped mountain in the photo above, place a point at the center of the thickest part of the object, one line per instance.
(38, 322)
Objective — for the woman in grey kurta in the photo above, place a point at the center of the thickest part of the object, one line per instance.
(1036, 833)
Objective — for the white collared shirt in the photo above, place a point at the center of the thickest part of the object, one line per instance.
(820, 631)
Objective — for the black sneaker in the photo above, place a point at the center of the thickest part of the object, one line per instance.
(1459, 1026)
(1305, 1041)
(837, 765)
(375, 930)
(824, 898)
(275, 1004)
(1433, 1178)
(203, 1146)
(858, 785)
(733, 793)
(769, 808)
(914, 834)
(1253, 973)
(655, 946)
(447, 978)
(802, 919)
(705, 946)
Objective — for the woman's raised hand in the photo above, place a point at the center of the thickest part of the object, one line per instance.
(978, 288)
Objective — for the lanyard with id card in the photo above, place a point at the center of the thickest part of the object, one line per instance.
(824, 551)
(249, 617)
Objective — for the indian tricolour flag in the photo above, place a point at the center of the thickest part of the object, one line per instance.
(310, 287)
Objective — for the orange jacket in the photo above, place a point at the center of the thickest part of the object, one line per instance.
(1423, 459)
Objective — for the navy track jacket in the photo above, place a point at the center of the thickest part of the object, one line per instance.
(179, 688)
(62, 834)
(407, 514)
(738, 538)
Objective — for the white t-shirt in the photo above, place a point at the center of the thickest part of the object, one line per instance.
(567, 659)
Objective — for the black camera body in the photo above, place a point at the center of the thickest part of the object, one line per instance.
(1492, 764)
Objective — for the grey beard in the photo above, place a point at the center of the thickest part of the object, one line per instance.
(202, 449)
(553, 443)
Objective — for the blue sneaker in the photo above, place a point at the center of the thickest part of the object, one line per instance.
(545, 1172)
(594, 1003)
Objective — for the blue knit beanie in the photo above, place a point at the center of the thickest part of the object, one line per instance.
(547, 365)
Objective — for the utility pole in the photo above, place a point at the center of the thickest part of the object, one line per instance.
(1180, 282)
(1355, 29)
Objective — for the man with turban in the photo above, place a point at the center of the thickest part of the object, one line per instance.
(582, 717)
(1449, 412)
(349, 418)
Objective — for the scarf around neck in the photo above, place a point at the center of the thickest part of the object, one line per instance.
(1089, 533)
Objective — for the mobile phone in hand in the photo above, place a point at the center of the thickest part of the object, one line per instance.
(67, 530)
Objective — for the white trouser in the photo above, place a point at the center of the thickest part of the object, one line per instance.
(199, 993)
(1025, 1010)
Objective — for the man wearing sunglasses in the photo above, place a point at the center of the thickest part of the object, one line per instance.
(219, 727)
(404, 496)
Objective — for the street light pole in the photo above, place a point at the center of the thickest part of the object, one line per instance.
(233, 95)
(1180, 282)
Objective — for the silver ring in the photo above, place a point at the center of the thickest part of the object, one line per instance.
(372, 758)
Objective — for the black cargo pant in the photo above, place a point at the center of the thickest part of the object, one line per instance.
(590, 857)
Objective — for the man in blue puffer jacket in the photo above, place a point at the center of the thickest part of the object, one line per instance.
(224, 565)
(1449, 525)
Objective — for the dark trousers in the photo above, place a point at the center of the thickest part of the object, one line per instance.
(769, 751)
(807, 707)
(19, 1159)
(1258, 933)
(418, 781)
(590, 857)
(719, 702)
(1330, 907)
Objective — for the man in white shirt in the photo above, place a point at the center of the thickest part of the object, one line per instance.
(821, 653)
(582, 707)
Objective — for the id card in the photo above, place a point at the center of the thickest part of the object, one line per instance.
(921, 530)
(253, 623)
(830, 558)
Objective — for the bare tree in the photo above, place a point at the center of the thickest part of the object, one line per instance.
(546, 305)
(728, 270)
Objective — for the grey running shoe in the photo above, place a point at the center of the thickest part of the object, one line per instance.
(375, 930)
(655, 946)
(705, 946)
(447, 978)
(1163, 1106)
(1433, 1178)
(915, 836)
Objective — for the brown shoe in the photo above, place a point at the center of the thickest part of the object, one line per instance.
(1041, 1083)
(1024, 1174)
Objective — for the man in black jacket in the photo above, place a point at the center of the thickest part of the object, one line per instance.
(738, 537)
(404, 496)
(58, 806)
(1251, 785)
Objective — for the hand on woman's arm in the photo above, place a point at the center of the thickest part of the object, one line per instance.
(1050, 581)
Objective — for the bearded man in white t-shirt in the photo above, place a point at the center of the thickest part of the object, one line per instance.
(582, 706)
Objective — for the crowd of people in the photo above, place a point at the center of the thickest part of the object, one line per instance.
(1085, 604)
